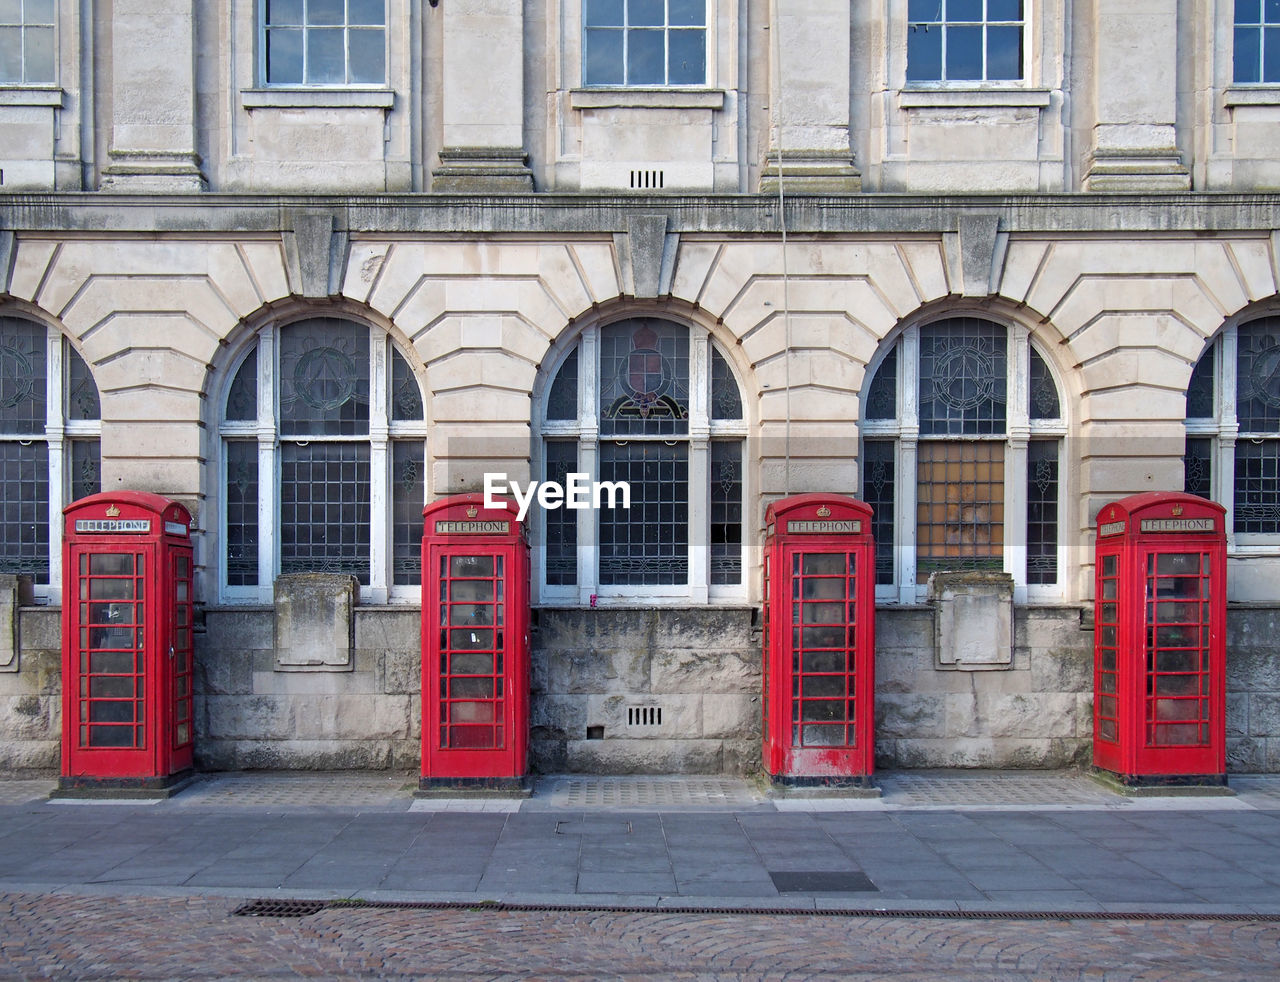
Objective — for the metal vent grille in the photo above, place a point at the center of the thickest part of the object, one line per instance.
(280, 908)
(646, 180)
(644, 715)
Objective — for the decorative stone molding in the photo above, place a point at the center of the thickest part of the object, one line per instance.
(811, 172)
(315, 622)
(482, 170)
(1137, 170)
(972, 620)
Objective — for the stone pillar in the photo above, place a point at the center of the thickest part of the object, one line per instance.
(153, 101)
(483, 99)
(1135, 78)
(809, 97)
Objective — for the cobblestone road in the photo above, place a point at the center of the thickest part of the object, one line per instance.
(61, 936)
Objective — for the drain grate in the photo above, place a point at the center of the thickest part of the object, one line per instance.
(280, 908)
(823, 881)
(305, 908)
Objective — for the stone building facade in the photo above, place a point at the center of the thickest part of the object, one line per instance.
(986, 264)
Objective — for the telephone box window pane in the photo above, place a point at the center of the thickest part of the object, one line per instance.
(82, 400)
(406, 396)
(562, 403)
(726, 400)
(242, 513)
(649, 544)
(562, 523)
(1257, 487)
(24, 510)
(963, 378)
(86, 468)
(959, 506)
(1042, 512)
(23, 367)
(1197, 466)
(644, 378)
(324, 509)
(878, 464)
(726, 511)
(1200, 389)
(324, 378)
(408, 494)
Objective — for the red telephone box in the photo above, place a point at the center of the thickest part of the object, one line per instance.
(1160, 610)
(819, 641)
(126, 645)
(475, 646)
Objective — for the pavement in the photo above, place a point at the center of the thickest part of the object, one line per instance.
(935, 842)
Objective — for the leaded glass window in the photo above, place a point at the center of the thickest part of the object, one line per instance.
(324, 466)
(324, 42)
(958, 486)
(49, 446)
(965, 40)
(1233, 420)
(621, 405)
(644, 42)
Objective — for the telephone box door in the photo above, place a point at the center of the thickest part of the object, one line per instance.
(1160, 630)
(820, 641)
(475, 646)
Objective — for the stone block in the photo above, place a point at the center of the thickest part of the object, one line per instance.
(703, 627)
(351, 716)
(897, 670)
(1062, 669)
(904, 627)
(1237, 721)
(314, 623)
(239, 628)
(1264, 714)
(558, 718)
(622, 716)
(40, 628)
(973, 622)
(910, 715)
(382, 627)
(731, 716)
(1031, 715)
(250, 718)
(223, 671)
(1253, 667)
(1247, 755)
(701, 669)
(401, 672)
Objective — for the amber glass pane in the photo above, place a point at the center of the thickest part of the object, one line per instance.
(959, 506)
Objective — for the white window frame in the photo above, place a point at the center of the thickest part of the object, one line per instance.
(305, 27)
(1020, 430)
(383, 432)
(709, 41)
(1224, 430)
(585, 431)
(60, 430)
(969, 83)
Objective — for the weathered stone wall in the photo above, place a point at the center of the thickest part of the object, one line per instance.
(700, 666)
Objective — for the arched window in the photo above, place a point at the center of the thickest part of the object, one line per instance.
(49, 450)
(323, 461)
(653, 403)
(1233, 429)
(962, 430)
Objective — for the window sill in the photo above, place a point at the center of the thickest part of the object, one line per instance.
(970, 98)
(1252, 95)
(308, 98)
(31, 95)
(652, 98)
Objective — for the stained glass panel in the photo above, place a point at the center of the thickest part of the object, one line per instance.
(882, 397)
(1042, 512)
(1197, 466)
(878, 490)
(963, 377)
(726, 511)
(649, 544)
(324, 378)
(644, 378)
(1200, 388)
(408, 495)
(726, 400)
(325, 508)
(562, 523)
(242, 512)
(406, 396)
(562, 402)
(1258, 376)
(1257, 487)
(86, 467)
(24, 510)
(1044, 392)
(82, 400)
(242, 399)
(23, 367)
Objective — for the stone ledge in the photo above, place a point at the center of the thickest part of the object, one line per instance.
(308, 98)
(972, 98)
(651, 98)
